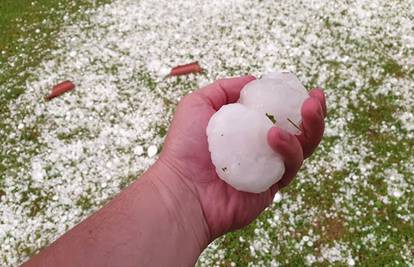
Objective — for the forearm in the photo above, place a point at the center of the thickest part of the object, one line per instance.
(151, 223)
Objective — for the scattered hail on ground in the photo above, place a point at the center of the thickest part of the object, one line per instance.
(352, 202)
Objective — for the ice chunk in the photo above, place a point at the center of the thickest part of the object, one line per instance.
(279, 94)
(152, 151)
(278, 197)
(237, 138)
(37, 170)
(138, 150)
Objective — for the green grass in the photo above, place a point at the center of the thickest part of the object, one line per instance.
(14, 14)
(18, 23)
(24, 47)
(28, 34)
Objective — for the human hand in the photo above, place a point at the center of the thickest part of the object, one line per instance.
(186, 154)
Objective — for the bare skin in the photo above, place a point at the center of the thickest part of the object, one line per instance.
(169, 215)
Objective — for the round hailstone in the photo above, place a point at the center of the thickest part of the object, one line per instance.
(351, 262)
(138, 150)
(237, 138)
(278, 95)
(278, 197)
(152, 151)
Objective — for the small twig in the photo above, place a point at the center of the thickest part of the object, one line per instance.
(294, 124)
(271, 118)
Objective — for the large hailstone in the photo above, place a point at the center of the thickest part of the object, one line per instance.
(278, 95)
(237, 138)
(237, 133)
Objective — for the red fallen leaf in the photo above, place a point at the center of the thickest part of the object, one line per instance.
(59, 89)
(193, 67)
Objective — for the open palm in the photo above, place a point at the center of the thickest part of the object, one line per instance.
(186, 153)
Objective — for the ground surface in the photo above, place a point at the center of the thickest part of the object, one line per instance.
(351, 204)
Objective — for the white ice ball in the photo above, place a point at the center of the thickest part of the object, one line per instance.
(237, 133)
(279, 94)
(237, 138)
(152, 151)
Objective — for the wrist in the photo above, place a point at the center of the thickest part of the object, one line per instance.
(181, 200)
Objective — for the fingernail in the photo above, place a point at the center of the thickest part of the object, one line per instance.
(283, 135)
(319, 110)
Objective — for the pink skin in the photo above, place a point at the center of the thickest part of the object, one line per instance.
(186, 153)
(169, 215)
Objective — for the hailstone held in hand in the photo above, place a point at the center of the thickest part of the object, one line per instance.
(237, 133)
(280, 95)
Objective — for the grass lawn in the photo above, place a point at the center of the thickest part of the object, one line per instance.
(351, 204)
(28, 31)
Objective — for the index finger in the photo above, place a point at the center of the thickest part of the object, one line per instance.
(224, 91)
